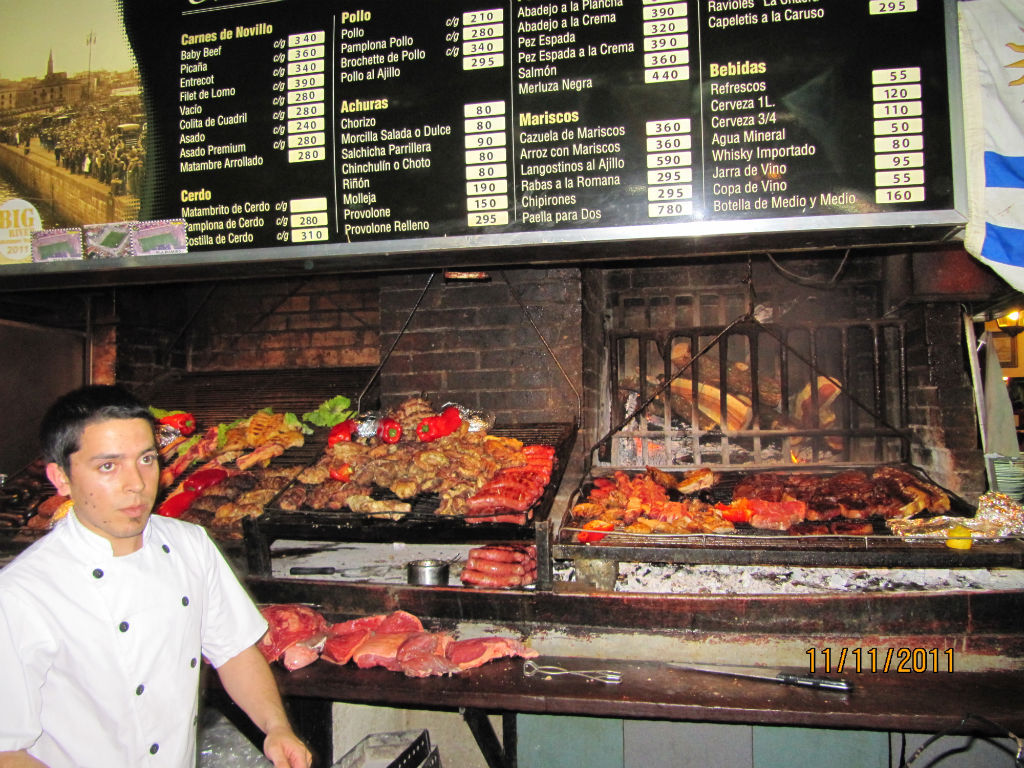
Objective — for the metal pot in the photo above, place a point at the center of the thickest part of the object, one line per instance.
(430, 573)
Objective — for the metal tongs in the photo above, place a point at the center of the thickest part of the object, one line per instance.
(609, 676)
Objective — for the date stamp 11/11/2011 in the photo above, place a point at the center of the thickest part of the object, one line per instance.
(900, 660)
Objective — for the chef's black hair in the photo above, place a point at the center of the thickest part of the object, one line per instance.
(61, 430)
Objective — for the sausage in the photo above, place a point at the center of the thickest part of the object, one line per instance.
(478, 579)
(50, 505)
(531, 483)
(539, 450)
(525, 474)
(488, 502)
(513, 486)
(508, 496)
(516, 518)
(540, 462)
(482, 515)
(528, 472)
(497, 568)
(504, 553)
(485, 579)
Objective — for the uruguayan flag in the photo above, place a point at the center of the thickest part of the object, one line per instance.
(992, 65)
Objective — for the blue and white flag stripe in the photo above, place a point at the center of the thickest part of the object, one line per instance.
(1003, 171)
(1003, 244)
(991, 44)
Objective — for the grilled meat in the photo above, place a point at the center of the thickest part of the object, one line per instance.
(852, 495)
(639, 504)
(292, 499)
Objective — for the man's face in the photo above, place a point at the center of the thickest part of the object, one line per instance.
(113, 480)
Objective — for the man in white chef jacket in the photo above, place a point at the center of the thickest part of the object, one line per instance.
(105, 620)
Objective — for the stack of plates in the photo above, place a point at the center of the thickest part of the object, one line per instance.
(1009, 474)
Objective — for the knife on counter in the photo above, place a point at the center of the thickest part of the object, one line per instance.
(768, 675)
(355, 572)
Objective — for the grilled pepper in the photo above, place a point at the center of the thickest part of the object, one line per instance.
(342, 433)
(176, 505)
(181, 421)
(389, 431)
(204, 478)
(429, 429)
(594, 530)
(433, 427)
(451, 419)
(342, 474)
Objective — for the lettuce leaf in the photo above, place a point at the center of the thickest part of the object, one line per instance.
(293, 421)
(330, 412)
(182, 447)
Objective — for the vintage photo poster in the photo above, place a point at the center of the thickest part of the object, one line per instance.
(72, 121)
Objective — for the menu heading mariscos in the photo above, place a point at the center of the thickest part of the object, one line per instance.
(293, 123)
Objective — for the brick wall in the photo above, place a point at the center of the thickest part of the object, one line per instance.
(248, 325)
(594, 306)
(143, 324)
(315, 323)
(469, 342)
(941, 404)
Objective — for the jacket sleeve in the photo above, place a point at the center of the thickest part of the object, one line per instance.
(232, 622)
(24, 655)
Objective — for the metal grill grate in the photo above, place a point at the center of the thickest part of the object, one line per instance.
(215, 397)
(752, 394)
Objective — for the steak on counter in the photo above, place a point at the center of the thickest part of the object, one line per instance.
(397, 641)
(466, 654)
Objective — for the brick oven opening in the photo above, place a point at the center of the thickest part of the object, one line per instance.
(757, 365)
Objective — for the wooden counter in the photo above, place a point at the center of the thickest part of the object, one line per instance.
(981, 703)
(922, 702)
(982, 627)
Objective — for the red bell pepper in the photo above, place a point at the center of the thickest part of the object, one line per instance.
(433, 427)
(204, 478)
(451, 419)
(342, 474)
(176, 505)
(594, 530)
(389, 431)
(181, 421)
(342, 433)
(429, 429)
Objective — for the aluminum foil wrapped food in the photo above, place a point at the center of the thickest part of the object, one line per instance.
(1001, 511)
(166, 434)
(998, 517)
(367, 424)
(477, 421)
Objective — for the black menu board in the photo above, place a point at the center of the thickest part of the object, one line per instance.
(369, 127)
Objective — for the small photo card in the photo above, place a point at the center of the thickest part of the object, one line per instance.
(57, 244)
(155, 238)
(108, 241)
